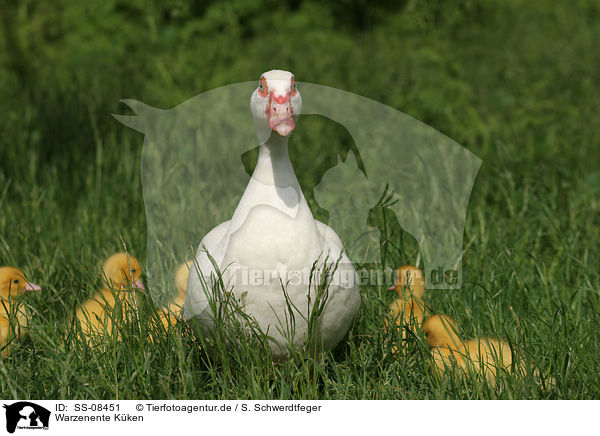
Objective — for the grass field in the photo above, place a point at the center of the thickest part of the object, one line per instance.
(517, 83)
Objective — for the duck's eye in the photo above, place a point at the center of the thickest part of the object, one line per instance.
(16, 282)
(261, 86)
(133, 271)
(294, 86)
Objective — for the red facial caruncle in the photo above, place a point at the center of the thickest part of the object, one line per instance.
(263, 90)
(279, 111)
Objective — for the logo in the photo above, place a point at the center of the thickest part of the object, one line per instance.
(26, 415)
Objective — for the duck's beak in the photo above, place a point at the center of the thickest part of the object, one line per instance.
(280, 114)
(392, 288)
(138, 284)
(32, 287)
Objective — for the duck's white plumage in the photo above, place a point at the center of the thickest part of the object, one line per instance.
(273, 233)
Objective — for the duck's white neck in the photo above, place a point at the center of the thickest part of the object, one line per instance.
(274, 166)
(273, 184)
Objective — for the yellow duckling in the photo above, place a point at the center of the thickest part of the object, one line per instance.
(410, 282)
(13, 284)
(441, 331)
(408, 310)
(480, 356)
(122, 273)
(171, 314)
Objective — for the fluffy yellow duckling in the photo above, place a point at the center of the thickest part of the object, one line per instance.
(481, 356)
(122, 273)
(172, 313)
(408, 313)
(13, 284)
(447, 348)
(410, 282)
(408, 309)
(441, 331)
(489, 355)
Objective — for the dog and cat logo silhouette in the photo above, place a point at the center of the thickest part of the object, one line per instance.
(26, 415)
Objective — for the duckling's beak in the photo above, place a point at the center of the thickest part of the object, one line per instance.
(392, 288)
(32, 287)
(138, 284)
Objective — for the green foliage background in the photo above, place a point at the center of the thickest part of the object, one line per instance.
(516, 82)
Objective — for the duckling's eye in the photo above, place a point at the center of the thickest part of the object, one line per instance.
(133, 271)
(16, 282)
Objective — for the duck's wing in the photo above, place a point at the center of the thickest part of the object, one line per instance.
(205, 272)
(330, 237)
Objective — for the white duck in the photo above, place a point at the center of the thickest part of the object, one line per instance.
(272, 234)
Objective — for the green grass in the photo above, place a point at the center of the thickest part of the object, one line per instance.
(516, 83)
